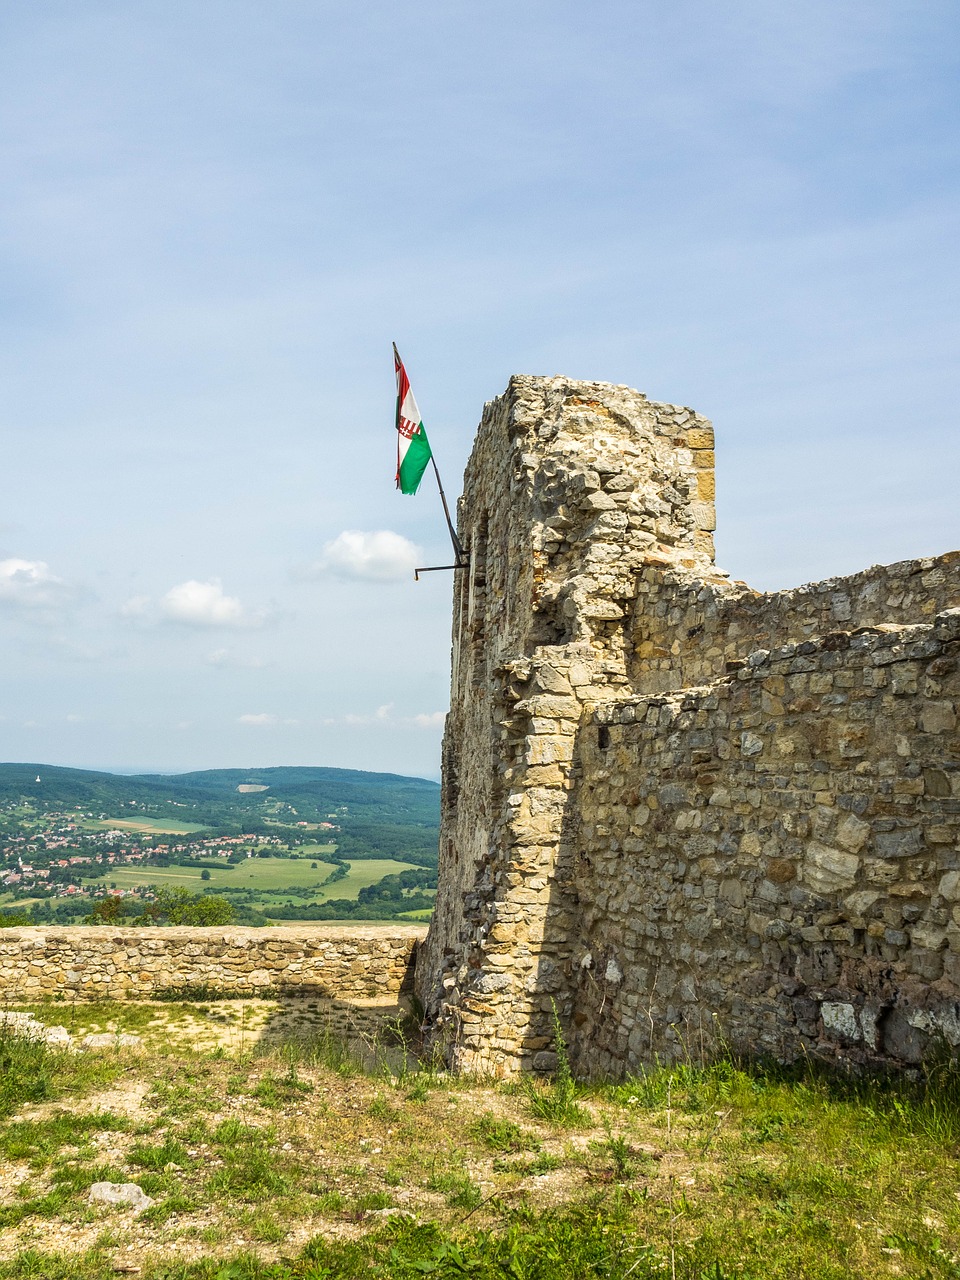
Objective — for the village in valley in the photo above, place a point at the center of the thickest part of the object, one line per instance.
(215, 848)
(66, 857)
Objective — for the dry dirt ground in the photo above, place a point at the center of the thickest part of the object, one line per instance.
(250, 1125)
(258, 1125)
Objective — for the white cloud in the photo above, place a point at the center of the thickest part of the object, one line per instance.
(29, 584)
(203, 604)
(193, 604)
(135, 607)
(380, 716)
(430, 720)
(264, 720)
(380, 556)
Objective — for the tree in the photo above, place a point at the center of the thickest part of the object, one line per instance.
(106, 911)
(177, 906)
(204, 874)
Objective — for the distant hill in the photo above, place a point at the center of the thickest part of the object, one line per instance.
(377, 813)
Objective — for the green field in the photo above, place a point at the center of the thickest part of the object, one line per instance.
(259, 873)
(152, 826)
(22, 904)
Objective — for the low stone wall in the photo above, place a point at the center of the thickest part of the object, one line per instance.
(774, 859)
(92, 963)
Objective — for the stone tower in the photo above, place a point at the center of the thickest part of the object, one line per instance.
(571, 489)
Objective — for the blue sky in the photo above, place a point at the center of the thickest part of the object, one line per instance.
(216, 217)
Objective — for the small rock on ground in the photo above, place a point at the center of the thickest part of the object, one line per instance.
(122, 1193)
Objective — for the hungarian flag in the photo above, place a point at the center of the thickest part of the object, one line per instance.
(413, 448)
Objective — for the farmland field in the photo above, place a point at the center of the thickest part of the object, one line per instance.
(152, 826)
(262, 874)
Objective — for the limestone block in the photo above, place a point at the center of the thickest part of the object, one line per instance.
(700, 438)
(852, 833)
(826, 870)
(929, 936)
(551, 707)
(938, 717)
(840, 1019)
(732, 891)
(859, 903)
(703, 516)
(902, 843)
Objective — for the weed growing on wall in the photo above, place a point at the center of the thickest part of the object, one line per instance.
(556, 1101)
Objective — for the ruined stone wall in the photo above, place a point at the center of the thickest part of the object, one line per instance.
(687, 629)
(673, 807)
(93, 963)
(772, 859)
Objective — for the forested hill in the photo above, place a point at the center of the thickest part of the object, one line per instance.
(373, 812)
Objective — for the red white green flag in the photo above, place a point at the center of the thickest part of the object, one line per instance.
(413, 448)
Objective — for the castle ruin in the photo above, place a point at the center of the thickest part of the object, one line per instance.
(675, 809)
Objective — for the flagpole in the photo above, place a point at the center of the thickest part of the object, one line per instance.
(462, 559)
(458, 551)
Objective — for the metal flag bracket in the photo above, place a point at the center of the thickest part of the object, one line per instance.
(437, 568)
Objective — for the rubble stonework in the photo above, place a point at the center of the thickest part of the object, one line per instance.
(673, 808)
(105, 962)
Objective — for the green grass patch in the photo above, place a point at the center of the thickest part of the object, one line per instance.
(503, 1135)
(26, 1071)
(37, 1141)
(277, 1091)
(158, 1156)
(32, 1071)
(736, 1170)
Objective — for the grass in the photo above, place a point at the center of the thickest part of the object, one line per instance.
(290, 1162)
(504, 1135)
(32, 1072)
(556, 1102)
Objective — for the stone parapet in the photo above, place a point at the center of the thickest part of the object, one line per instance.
(94, 963)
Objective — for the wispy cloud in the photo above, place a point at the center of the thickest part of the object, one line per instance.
(380, 716)
(136, 607)
(429, 720)
(227, 658)
(379, 556)
(264, 720)
(384, 717)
